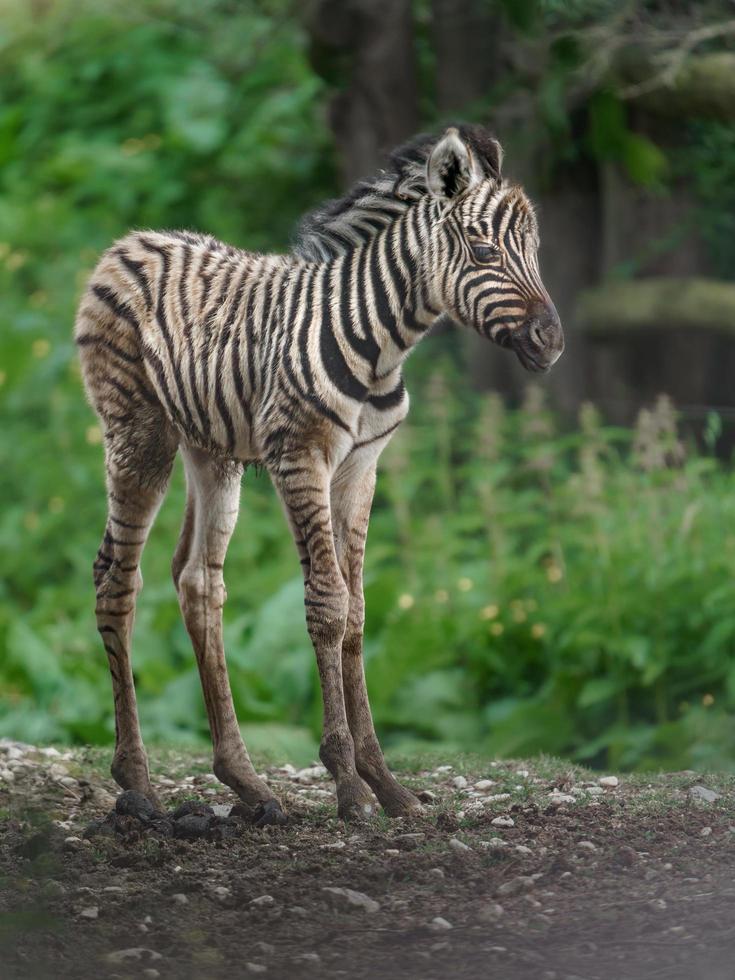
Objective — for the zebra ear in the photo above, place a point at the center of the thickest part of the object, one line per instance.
(452, 168)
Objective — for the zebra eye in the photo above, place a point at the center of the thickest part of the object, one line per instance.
(483, 253)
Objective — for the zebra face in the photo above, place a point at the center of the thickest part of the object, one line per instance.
(485, 250)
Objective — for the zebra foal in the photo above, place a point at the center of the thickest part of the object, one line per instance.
(293, 362)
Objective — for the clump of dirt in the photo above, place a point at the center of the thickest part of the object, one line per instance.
(533, 871)
(134, 815)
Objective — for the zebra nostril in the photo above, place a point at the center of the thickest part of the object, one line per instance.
(537, 337)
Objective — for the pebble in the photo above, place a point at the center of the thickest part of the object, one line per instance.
(557, 799)
(519, 884)
(459, 845)
(357, 899)
(92, 912)
(491, 912)
(222, 809)
(7, 775)
(113, 889)
(180, 899)
(335, 846)
(440, 924)
(392, 852)
(308, 957)
(587, 845)
(459, 782)
(522, 849)
(484, 784)
(705, 832)
(222, 892)
(261, 902)
(608, 781)
(437, 872)
(702, 793)
(135, 953)
(297, 910)
(503, 822)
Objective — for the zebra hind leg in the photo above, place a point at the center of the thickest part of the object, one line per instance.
(213, 492)
(138, 471)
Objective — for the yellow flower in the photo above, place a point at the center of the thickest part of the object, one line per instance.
(94, 435)
(538, 630)
(489, 612)
(554, 573)
(405, 601)
(519, 614)
(464, 584)
(40, 347)
(441, 595)
(496, 629)
(708, 700)
(16, 260)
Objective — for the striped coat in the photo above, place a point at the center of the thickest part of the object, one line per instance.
(292, 362)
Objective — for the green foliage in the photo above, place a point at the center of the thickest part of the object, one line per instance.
(609, 138)
(708, 162)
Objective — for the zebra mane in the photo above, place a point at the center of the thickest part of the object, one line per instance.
(371, 204)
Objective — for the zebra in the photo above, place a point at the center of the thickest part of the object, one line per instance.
(291, 362)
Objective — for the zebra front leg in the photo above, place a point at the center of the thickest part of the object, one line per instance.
(303, 484)
(351, 502)
(213, 492)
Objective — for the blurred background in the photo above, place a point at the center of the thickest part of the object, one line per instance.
(550, 566)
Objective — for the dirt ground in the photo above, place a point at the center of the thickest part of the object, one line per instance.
(579, 879)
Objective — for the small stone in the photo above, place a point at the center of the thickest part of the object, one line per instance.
(484, 784)
(222, 809)
(609, 782)
(523, 773)
(490, 912)
(705, 832)
(180, 899)
(7, 776)
(437, 872)
(135, 954)
(263, 901)
(586, 845)
(297, 910)
(558, 799)
(522, 849)
(594, 790)
(657, 903)
(459, 846)
(334, 846)
(702, 793)
(440, 924)
(516, 885)
(503, 822)
(308, 958)
(356, 899)
(91, 912)
(222, 892)
(72, 843)
(392, 852)
(256, 968)
(113, 889)
(426, 796)
(459, 782)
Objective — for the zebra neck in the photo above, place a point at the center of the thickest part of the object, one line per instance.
(381, 304)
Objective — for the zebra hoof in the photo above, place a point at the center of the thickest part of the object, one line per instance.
(269, 814)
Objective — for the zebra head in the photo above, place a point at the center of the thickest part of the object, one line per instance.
(485, 249)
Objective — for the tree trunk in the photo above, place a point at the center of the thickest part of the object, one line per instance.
(364, 48)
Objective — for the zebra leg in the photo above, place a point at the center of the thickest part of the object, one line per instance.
(213, 492)
(137, 479)
(303, 484)
(351, 502)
